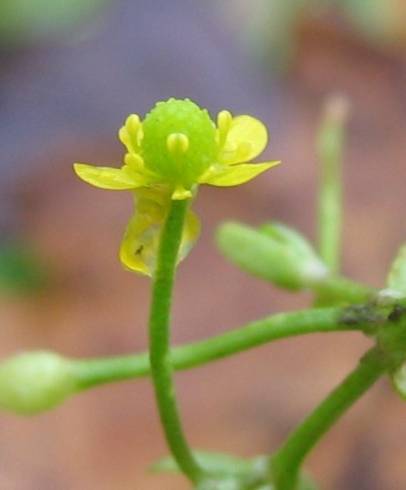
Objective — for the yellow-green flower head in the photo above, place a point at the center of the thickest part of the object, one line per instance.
(174, 149)
(179, 142)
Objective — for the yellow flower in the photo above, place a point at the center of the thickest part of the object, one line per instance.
(173, 150)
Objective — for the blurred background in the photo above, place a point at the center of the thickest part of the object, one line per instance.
(70, 71)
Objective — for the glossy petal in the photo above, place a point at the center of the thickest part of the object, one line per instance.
(140, 244)
(108, 177)
(227, 176)
(139, 247)
(246, 139)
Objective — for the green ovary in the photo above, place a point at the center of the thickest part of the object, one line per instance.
(185, 117)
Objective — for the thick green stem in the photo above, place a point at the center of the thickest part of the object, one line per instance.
(94, 372)
(286, 462)
(159, 340)
(330, 144)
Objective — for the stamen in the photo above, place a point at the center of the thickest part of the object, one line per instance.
(133, 126)
(224, 120)
(123, 137)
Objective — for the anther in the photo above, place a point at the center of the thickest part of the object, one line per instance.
(224, 119)
(132, 123)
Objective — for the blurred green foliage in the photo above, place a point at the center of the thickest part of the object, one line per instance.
(25, 21)
(21, 270)
(271, 28)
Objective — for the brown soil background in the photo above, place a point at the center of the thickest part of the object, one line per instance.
(106, 438)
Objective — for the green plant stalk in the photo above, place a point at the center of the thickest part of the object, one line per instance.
(336, 289)
(94, 372)
(285, 463)
(159, 340)
(329, 145)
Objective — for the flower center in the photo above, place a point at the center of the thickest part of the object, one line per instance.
(179, 141)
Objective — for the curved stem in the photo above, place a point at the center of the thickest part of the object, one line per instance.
(285, 463)
(94, 372)
(159, 340)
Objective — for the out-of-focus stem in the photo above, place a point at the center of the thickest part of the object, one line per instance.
(330, 148)
(285, 463)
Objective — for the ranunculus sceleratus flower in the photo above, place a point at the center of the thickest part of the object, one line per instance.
(174, 149)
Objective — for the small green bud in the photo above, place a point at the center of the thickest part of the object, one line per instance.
(274, 252)
(179, 141)
(35, 381)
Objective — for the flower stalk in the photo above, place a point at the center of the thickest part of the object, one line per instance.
(98, 371)
(159, 339)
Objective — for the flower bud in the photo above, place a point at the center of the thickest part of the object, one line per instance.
(35, 381)
(274, 252)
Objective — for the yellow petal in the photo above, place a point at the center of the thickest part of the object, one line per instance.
(140, 244)
(139, 247)
(134, 161)
(246, 139)
(227, 176)
(108, 177)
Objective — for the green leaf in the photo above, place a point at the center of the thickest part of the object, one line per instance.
(218, 464)
(227, 472)
(23, 21)
(21, 271)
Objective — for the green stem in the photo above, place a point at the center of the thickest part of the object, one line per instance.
(93, 372)
(159, 340)
(340, 290)
(286, 462)
(330, 144)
